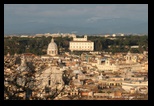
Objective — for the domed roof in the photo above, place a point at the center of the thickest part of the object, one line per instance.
(52, 45)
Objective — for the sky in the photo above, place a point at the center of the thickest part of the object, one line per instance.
(75, 18)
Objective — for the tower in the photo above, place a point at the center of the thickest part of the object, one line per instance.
(8, 54)
(107, 62)
(135, 59)
(99, 61)
(23, 62)
(85, 37)
(128, 57)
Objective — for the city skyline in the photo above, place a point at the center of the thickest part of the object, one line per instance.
(75, 18)
(78, 69)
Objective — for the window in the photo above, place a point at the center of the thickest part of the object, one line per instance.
(28, 93)
(49, 82)
(47, 90)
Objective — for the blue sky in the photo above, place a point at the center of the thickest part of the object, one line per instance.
(79, 18)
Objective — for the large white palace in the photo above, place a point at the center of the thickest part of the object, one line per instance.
(81, 44)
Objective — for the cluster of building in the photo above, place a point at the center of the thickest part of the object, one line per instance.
(46, 35)
(90, 76)
(56, 35)
(110, 36)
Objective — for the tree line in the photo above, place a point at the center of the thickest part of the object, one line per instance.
(38, 45)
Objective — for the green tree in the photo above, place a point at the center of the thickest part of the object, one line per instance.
(98, 45)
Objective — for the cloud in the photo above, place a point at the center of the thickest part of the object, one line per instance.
(74, 32)
(62, 13)
(72, 14)
(20, 9)
(95, 19)
(68, 10)
(44, 10)
(133, 11)
(36, 21)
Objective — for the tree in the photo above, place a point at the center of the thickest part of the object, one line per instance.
(98, 45)
(38, 44)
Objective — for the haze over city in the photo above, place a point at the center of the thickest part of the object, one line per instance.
(75, 18)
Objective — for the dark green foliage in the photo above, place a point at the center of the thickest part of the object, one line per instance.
(38, 45)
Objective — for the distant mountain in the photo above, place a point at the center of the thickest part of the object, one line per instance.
(113, 25)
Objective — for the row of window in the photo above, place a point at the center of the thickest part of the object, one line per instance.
(80, 39)
(80, 47)
(52, 52)
(81, 43)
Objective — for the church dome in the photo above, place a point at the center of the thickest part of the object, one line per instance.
(52, 45)
(52, 48)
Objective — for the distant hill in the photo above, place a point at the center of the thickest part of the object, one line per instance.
(115, 25)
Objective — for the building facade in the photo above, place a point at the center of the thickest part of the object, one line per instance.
(49, 80)
(81, 44)
(131, 62)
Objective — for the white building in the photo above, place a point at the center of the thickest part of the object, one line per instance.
(52, 48)
(135, 46)
(81, 44)
(114, 35)
(24, 36)
(122, 34)
(56, 35)
(106, 35)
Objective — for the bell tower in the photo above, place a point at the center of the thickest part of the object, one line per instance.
(128, 57)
